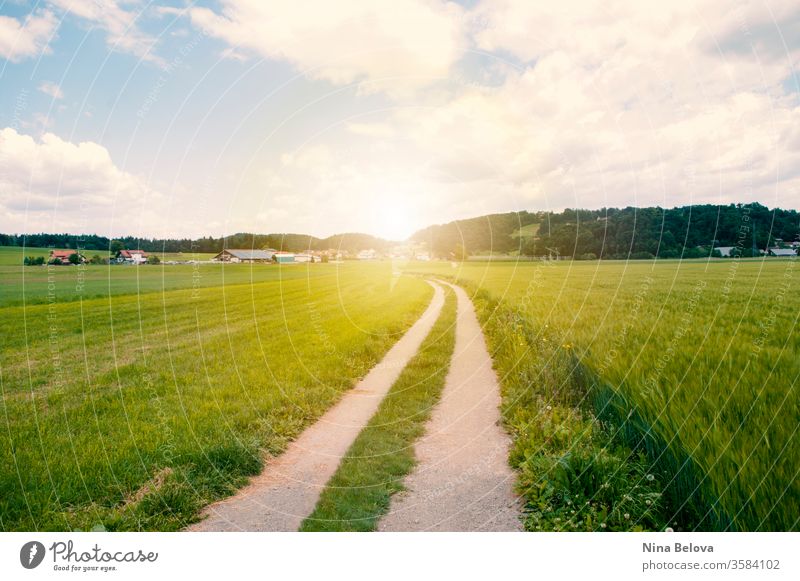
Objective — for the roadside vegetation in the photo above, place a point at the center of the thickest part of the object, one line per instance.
(647, 396)
(133, 411)
(359, 494)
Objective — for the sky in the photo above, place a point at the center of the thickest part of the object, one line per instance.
(187, 119)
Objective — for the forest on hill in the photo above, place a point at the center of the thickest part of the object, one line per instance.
(619, 233)
(491, 233)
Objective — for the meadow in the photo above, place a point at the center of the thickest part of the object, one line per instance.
(133, 396)
(647, 395)
(29, 285)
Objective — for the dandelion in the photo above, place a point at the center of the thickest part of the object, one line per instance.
(602, 525)
(627, 516)
(648, 502)
(668, 530)
(650, 477)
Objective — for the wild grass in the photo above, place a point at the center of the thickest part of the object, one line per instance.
(131, 412)
(673, 382)
(358, 495)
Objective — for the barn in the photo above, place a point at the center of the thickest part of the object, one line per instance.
(784, 252)
(237, 255)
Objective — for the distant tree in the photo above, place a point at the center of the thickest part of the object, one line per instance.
(460, 252)
(153, 259)
(115, 247)
(57, 262)
(96, 259)
(74, 258)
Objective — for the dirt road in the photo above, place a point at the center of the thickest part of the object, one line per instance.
(463, 481)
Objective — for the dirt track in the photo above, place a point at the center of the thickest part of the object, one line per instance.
(463, 481)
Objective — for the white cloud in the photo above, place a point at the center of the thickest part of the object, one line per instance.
(400, 44)
(58, 186)
(51, 89)
(622, 103)
(120, 25)
(610, 104)
(19, 40)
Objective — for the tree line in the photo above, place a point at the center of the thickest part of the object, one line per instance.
(351, 242)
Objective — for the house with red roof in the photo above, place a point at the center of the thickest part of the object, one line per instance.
(63, 256)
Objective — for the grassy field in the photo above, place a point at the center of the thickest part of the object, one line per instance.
(647, 395)
(134, 409)
(527, 231)
(383, 454)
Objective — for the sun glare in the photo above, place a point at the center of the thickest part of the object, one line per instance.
(394, 218)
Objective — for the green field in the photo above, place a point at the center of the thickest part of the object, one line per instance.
(31, 285)
(647, 395)
(639, 395)
(133, 410)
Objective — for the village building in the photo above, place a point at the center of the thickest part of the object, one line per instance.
(367, 255)
(63, 256)
(283, 257)
(132, 256)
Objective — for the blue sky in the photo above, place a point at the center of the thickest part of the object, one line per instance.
(188, 119)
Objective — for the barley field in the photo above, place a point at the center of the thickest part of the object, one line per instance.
(133, 396)
(647, 395)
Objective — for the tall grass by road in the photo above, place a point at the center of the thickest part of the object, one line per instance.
(671, 385)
